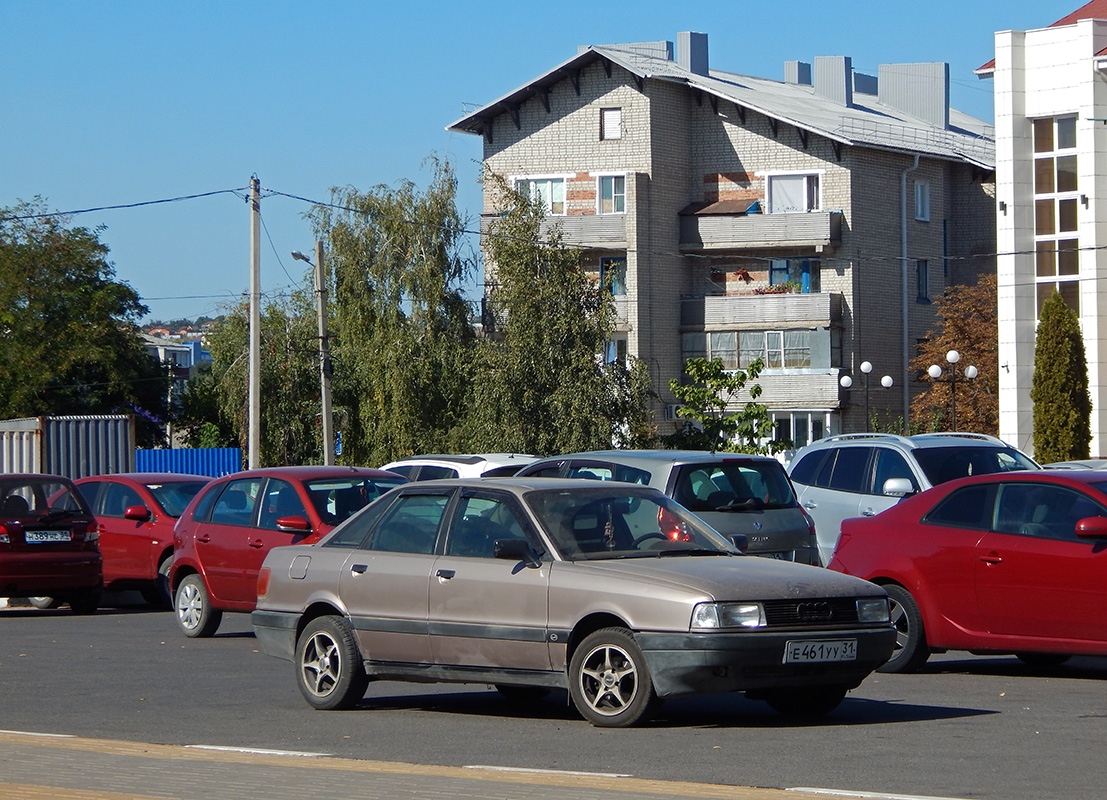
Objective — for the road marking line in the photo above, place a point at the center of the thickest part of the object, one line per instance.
(43, 735)
(872, 795)
(257, 751)
(549, 771)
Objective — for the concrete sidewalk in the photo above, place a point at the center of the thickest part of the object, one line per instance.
(68, 768)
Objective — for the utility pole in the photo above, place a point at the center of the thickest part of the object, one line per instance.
(254, 380)
(324, 355)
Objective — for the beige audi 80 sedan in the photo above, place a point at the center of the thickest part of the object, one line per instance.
(609, 590)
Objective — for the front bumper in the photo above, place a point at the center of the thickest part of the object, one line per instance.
(717, 661)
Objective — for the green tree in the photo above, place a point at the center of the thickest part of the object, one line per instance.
(401, 333)
(540, 383)
(705, 402)
(1062, 403)
(69, 336)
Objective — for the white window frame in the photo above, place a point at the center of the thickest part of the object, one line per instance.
(611, 123)
(922, 201)
(813, 196)
(616, 198)
(1058, 240)
(531, 190)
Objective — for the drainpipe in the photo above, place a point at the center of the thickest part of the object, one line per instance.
(903, 262)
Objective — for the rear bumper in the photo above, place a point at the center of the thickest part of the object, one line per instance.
(275, 632)
(45, 574)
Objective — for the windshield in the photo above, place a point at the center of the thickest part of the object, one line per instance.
(591, 524)
(733, 486)
(941, 464)
(337, 499)
(37, 497)
(173, 496)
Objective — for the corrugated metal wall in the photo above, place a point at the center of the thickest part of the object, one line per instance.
(213, 461)
(71, 446)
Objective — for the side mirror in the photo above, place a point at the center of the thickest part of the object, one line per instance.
(294, 523)
(515, 550)
(1092, 528)
(741, 541)
(137, 513)
(898, 487)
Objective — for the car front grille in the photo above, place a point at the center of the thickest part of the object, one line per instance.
(811, 613)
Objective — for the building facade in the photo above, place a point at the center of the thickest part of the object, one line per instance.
(1051, 136)
(809, 222)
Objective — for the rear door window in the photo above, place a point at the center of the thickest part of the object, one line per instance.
(969, 507)
(848, 471)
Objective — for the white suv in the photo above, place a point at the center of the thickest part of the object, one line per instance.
(862, 474)
(437, 467)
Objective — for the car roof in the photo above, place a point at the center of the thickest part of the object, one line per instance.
(521, 485)
(653, 457)
(495, 459)
(147, 477)
(922, 440)
(312, 471)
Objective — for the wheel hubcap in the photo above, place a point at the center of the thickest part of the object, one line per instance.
(320, 664)
(608, 680)
(189, 607)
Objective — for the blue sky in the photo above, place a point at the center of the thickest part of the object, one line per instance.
(113, 103)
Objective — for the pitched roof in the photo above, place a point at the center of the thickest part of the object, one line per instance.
(866, 122)
(1096, 9)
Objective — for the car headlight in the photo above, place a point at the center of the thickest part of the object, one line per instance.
(709, 616)
(873, 609)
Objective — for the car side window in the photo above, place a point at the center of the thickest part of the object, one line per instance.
(848, 471)
(478, 523)
(117, 498)
(968, 507)
(591, 471)
(1044, 512)
(89, 491)
(280, 500)
(411, 524)
(550, 471)
(431, 473)
(889, 464)
(235, 505)
(806, 469)
(353, 532)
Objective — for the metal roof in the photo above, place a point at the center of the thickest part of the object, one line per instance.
(866, 122)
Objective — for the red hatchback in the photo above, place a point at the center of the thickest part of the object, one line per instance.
(137, 512)
(225, 532)
(48, 542)
(1005, 563)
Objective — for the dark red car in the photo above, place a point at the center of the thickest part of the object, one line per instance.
(225, 532)
(136, 512)
(48, 542)
(994, 564)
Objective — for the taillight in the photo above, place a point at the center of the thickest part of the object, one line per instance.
(5, 537)
(92, 533)
(263, 582)
(672, 526)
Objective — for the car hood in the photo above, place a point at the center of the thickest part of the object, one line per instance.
(732, 577)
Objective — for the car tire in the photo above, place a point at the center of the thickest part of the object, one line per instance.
(158, 595)
(609, 681)
(911, 650)
(805, 702)
(44, 602)
(329, 668)
(522, 694)
(1043, 660)
(195, 616)
(86, 602)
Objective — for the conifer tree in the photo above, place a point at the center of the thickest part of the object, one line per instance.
(1062, 403)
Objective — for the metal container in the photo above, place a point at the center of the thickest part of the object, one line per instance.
(75, 446)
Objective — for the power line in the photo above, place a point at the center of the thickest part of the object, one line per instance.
(21, 217)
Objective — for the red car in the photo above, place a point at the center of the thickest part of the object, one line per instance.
(48, 542)
(136, 512)
(1005, 563)
(225, 532)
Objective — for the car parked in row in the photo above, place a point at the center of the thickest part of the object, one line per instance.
(611, 591)
(734, 493)
(224, 533)
(48, 542)
(1002, 563)
(862, 474)
(439, 467)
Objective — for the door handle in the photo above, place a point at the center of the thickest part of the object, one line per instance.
(444, 574)
(810, 504)
(868, 512)
(992, 558)
(360, 569)
(204, 538)
(257, 544)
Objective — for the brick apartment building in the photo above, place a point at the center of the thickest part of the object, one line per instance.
(809, 221)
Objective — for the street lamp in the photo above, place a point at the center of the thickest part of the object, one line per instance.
(866, 367)
(324, 352)
(968, 373)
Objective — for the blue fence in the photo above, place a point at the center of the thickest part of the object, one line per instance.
(213, 461)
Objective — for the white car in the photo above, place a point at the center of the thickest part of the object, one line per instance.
(438, 467)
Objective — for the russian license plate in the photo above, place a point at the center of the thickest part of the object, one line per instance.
(43, 537)
(820, 650)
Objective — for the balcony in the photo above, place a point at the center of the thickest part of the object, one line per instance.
(706, 230)
(582, 230)
(753, 311)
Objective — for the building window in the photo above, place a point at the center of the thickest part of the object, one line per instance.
(922, 201)
(802, 272)
(613, 275)
(922, 280)
(549, 192)
(613, 194)
(788, 349)
(802, 427)
(1056, 207)
(617, 350)
(792, 194)
(611, 123)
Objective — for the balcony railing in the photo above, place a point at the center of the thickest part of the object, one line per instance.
(762, 311)
(740, 231)
(592, 230)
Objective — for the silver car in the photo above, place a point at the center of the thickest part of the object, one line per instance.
(609, 590)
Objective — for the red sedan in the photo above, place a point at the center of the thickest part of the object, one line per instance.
(225, 532)
(1006, 563)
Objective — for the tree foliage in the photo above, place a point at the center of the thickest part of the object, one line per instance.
(705, 402)
(1062, 403)
(69, 338)
(540, 382)
(967, 324)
